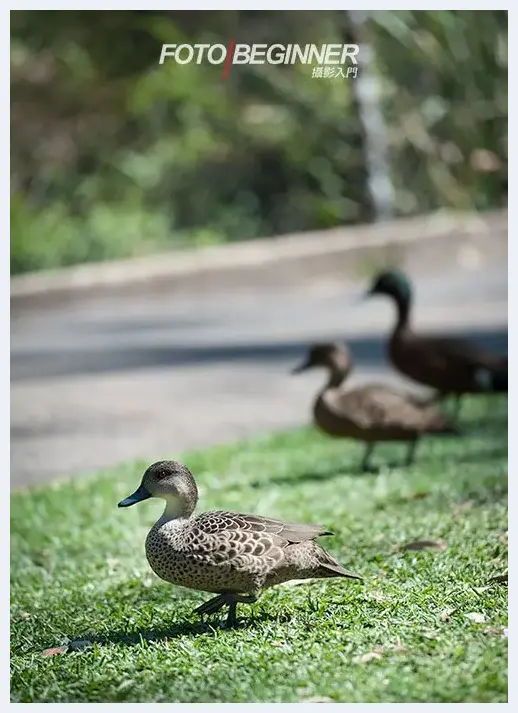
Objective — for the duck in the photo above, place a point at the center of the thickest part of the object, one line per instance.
(370, 413)
(453, 367)
(233, 555)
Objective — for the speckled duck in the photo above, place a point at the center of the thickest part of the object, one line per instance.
(232, 555)
(369, 413)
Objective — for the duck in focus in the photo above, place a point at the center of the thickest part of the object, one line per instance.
(232, 555)
(453, 367)
(369, 413)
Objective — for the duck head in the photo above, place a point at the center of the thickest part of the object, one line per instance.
(171, 481)
(393, 283)
(334, 357)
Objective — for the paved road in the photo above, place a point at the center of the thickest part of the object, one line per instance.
(100, 382)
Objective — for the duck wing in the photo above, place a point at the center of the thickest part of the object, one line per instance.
(460, 351)
(257, 545)
(224, 521)
(448, 364)
(377, 406)
(249, 545)
(457, 358)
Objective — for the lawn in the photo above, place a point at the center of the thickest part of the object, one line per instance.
(425, 625)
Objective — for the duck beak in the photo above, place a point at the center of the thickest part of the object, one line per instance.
(300, 368)
(140, 493)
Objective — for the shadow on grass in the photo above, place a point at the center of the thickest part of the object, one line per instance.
(487, 428)
(476, 455)
(324, 474)
(177, 630)
(425, 455)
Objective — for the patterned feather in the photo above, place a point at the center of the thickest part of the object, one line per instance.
(383, 408)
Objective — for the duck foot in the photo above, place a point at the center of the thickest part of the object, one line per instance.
(372, 469)
(211, 606)
(367, 467)
(366, 462)
(226, 599)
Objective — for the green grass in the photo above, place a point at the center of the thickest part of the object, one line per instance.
(79, 573)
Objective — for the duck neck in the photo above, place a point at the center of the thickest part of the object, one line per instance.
(336, 377)
(403, 312)
(181, 505)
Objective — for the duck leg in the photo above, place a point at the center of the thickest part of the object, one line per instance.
(211, 606)
(226, 599)
(411, 452)
(456, 406)
(232, 617)
(232, 600)
(366, 465)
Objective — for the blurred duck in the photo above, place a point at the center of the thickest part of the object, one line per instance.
(230, 554)
(369, 413)
(451, 366)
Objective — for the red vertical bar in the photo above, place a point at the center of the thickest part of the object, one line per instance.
(230, 55)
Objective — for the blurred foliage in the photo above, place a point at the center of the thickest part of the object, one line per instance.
(114, 155)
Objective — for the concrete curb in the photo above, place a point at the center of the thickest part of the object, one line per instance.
(286, 257)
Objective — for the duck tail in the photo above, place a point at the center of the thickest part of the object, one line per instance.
(330, 570)
(450, 429)
(330, 567)
(500, 380)
(493, 378)
(444, 426)
(427, 401)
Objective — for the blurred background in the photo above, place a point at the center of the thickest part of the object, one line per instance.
(115, 156)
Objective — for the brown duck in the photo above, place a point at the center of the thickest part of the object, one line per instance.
(451, 366)
(230, 554)
(369, 413)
